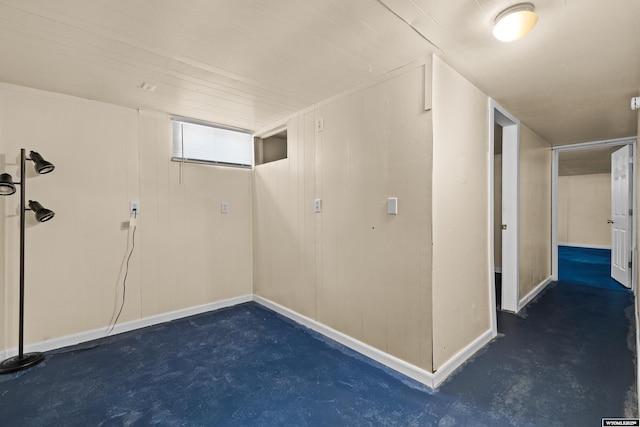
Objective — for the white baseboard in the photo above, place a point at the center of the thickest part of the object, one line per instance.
(462, 356)
(586, 246)
(399, 365)
(497, 270)
(432, 380)
(534, 293)
(81, 337)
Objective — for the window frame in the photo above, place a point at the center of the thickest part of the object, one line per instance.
(179, 140)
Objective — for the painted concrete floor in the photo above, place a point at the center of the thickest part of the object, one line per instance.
(568, 360)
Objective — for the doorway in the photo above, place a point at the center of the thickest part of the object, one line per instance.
(582, 174)
(505, 129)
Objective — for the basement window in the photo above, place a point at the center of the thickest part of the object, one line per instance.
(271, 148)
(206, 143)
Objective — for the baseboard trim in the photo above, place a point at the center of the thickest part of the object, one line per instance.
(450, 366)
(432, 380)
(81, 337)
(497, 270)
(534, 293)
(399, 365)
(580, 245)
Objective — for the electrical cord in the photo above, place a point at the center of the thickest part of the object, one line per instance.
(112, 322)
(126, 274)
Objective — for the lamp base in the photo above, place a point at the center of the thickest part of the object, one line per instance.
(17, 363)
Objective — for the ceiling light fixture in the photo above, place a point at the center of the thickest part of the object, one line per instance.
(515, 22)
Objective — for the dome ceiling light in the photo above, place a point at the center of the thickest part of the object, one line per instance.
(515, 22)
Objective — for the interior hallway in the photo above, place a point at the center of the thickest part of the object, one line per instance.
(567, 359)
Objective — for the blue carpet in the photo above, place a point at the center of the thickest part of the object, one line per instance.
(567, 359)
(567, 363)
(586, 266)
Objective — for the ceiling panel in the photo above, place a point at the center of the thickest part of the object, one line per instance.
(572, 77)
(250, 63)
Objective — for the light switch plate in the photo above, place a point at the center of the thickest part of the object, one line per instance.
(224, 207)
(317, 205)
(392, 206)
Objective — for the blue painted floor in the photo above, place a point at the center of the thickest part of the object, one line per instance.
(586, 266)
(566, 361)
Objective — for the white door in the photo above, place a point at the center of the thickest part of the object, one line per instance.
(510, 185)
(620, 216)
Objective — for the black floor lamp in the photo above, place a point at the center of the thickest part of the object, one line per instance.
(8, 187)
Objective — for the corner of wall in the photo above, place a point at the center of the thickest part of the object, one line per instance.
(460, 203)
(72, 288)
(336, 266)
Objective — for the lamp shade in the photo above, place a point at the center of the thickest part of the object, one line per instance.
(41, 165)
(515, 22)
(42, 214)
(7, 186)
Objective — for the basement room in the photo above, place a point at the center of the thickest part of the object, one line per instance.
(319, 212)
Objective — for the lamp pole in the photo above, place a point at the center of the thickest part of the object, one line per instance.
(21, 361)
(23, 160)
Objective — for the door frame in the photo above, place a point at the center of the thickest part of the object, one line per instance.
(618, 142)
(510, 196)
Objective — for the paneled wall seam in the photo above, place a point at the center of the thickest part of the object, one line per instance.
(360, 267)
(71, 288)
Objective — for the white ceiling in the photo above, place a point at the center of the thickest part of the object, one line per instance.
(250, 63)
(585, 162)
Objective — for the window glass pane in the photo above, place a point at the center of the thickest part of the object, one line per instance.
(199, 142)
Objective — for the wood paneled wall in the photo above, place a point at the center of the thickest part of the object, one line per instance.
(461, 232)
(187, 253)
(353, 267)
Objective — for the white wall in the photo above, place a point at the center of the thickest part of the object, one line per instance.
(353, 267)
(535, 211)
(584, 206)
(416, 285)
(461, 287)
(393, 282)
(186, 252)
